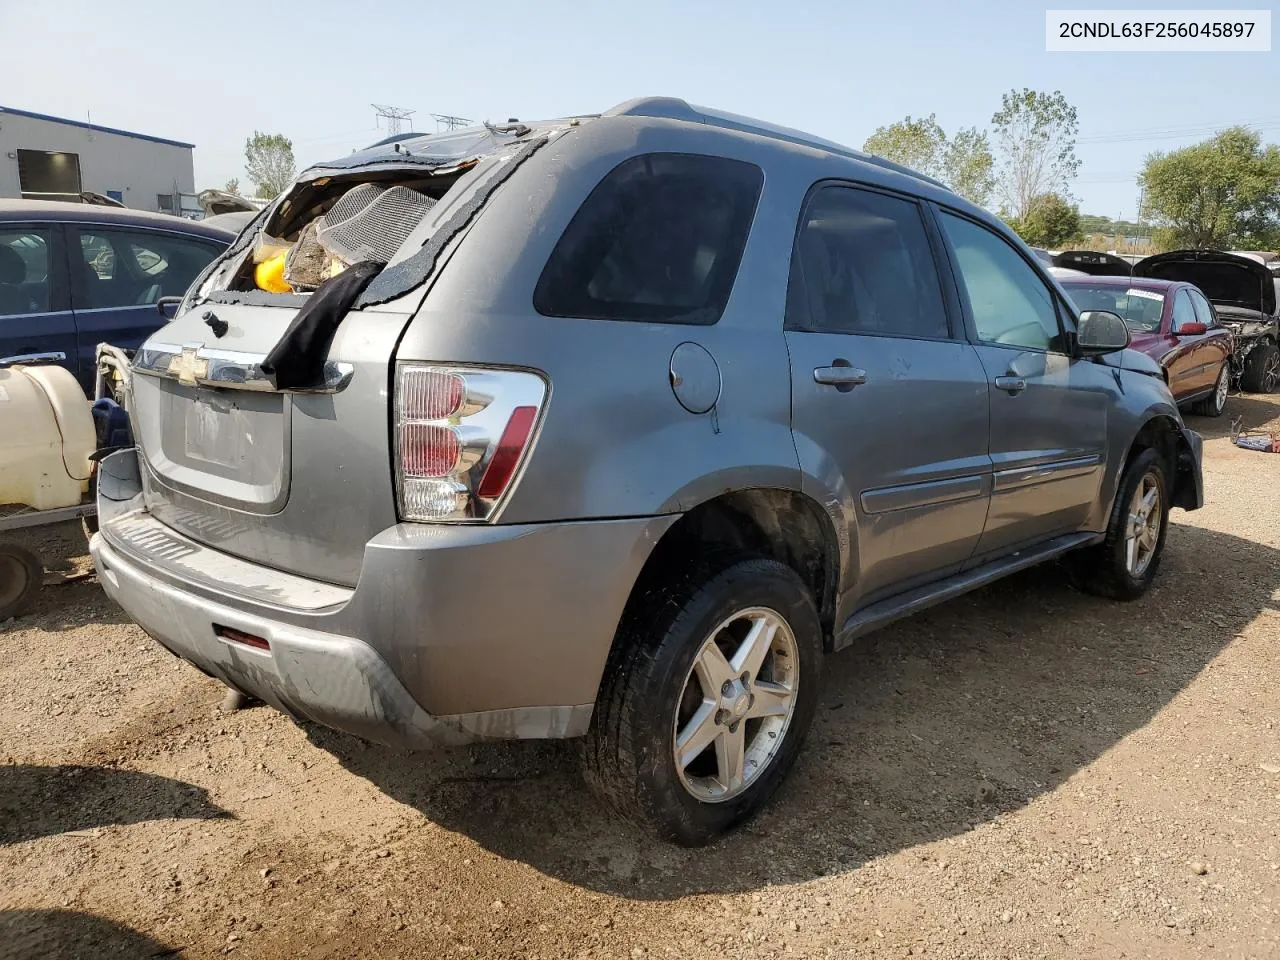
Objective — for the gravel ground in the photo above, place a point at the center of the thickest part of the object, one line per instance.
(1025, 772)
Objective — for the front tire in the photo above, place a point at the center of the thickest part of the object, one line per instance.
(1124, 564)
(707, 696)
(1216, 402)
(1261, 369)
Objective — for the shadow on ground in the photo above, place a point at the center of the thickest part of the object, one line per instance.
(1254, 411)
(44, 801)
(70, 935)
(930, 727)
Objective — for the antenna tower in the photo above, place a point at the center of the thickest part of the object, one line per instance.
(393, 116)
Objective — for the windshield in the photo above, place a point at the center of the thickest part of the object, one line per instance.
(1140, 309)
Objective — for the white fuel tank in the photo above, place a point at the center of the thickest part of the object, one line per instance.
(46, 437)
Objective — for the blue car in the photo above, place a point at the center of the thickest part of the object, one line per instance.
(75, 275)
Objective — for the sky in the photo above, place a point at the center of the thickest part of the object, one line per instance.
(211, 74)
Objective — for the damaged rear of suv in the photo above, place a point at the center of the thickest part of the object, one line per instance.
(611, 427)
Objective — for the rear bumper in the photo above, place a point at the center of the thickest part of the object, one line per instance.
(452, 634)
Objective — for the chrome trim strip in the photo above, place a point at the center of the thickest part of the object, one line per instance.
(195, 364)
(32, 359)
(128, 306)
(42, 313)
(910, 495)
(1020, 477)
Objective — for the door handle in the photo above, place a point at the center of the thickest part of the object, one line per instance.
(839, 376)
(1011, 385)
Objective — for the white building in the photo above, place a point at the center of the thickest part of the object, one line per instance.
(50, 158)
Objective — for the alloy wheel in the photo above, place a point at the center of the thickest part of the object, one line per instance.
(736, 704)
(1142, 531)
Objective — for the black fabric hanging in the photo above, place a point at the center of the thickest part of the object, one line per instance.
(296, 362)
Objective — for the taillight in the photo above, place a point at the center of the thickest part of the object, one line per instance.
(461, 436)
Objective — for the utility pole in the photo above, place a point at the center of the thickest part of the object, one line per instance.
(445, 121)
(393, 116)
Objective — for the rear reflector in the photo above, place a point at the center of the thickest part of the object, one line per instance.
(507, 456)
(239, 636)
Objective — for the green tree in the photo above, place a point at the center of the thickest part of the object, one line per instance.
(918, 144)
(1050, 222)
(1035, 137)
(968, 167)
(963, 163)
(233, 186)
(269, 162)
(1223, 193)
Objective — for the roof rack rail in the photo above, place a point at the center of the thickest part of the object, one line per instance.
(674, 108)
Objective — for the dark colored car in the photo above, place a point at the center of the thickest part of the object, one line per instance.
(1243, 293)
(1174, 324)
(1093, 263)
(75, 275)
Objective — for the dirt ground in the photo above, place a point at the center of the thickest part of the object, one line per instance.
(1025, 772)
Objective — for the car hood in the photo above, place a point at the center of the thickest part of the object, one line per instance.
(215, 202)
(1226, 279)
(1144, 342)
(1133, 359)
(1093, 263)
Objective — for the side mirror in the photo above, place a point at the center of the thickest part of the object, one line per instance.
(168, 306)
(1099, 332)
(1191, 328)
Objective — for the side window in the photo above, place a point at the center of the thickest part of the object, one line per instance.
(1011, 305)
(658, 240)
(24, 271)
(1183, 311)
(127, 268)
(1204, 312)
(862, 264)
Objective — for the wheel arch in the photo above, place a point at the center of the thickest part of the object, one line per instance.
(1163, 433)
(782, 524)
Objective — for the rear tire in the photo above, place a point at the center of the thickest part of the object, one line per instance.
(1124, 564)
(1261, 369)
(726, 663)
(1216, 402)
(21, 576)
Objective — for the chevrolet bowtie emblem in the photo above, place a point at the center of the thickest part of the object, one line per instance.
(188, 366)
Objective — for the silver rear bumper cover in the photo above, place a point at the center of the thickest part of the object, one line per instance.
(337, 681)
(453, 633)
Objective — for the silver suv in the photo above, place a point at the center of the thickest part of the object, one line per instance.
(649, 412)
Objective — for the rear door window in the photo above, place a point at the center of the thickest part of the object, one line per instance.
(863, 264)
(659, 240)
(24, 271)
(128, 268)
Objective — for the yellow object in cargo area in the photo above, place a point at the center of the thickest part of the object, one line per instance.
(269, 275)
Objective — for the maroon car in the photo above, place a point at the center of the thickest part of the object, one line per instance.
(1174, 324)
